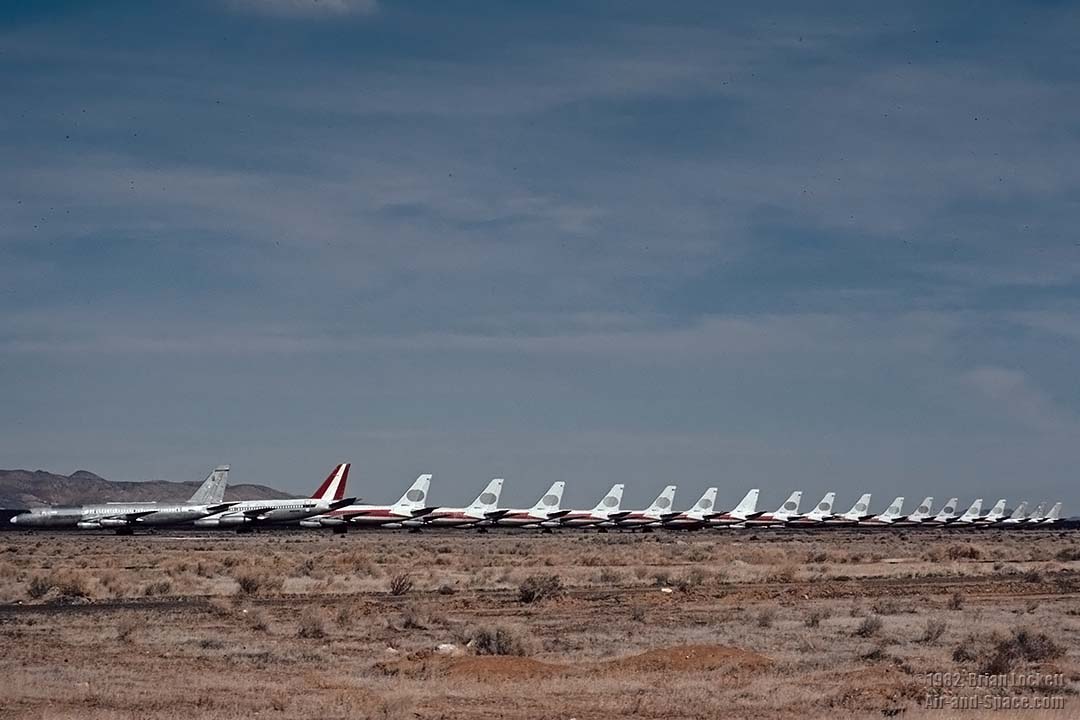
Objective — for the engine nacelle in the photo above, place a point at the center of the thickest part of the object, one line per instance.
(233, 520)
(88, 525)
(113, 523)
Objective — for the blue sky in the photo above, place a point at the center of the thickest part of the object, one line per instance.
(744, 246)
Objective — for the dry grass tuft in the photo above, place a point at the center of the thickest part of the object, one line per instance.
(499, 640)
(540, 587)
(869, 626)
(401, 584)
(312, 624)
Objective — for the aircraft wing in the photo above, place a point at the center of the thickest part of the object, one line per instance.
(343, 503)
(496, 514)
(670, 515)
(425, 511)
(619, 515)
(558, 514)
(220, 507)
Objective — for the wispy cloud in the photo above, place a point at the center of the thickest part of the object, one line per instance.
(307, 8)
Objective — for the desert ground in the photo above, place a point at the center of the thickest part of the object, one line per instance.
(459, 624)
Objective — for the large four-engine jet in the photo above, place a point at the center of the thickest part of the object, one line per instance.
(548, 507)
(890, 516)
(971, 515)
(410, 505)
(859, 511)
(124, 517)
(610, 503)
(821, 513)
(245, 514)
(486, 502)
(996, 514)
(922, 514)
(695, 517)
(651, 515)
(944, 516)
(1053, 517)
(781, 515)
(745, 510)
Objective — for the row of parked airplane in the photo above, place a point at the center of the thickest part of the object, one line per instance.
(329, 508)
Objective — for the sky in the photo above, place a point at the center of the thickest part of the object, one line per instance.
(745, 245)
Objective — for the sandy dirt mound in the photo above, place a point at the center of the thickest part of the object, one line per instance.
(505, 668)
(687, 658)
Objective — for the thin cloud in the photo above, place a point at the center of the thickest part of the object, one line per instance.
(307, 8)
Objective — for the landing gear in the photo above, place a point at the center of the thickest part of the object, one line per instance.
(340, 529)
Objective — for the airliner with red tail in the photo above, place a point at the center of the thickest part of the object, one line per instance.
(410, 505)
(248, 513)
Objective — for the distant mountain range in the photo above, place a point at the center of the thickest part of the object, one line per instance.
(25, 489)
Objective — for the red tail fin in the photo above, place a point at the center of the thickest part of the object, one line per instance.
(333, 487)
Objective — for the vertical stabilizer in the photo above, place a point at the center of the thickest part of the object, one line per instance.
(611, 502)
(748, 505)
(212, 490)
(414, 498)
(663, 502)
(791, 505)
(488, 500)
(705, 503)
(333, 487)
(860, 509)
(550, 502)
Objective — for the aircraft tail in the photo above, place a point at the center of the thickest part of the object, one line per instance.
(488, 501)
(748, 505)
(924, 509)
(825, 506)
(212, 490)
(663, 501)
(333, 487)
(975, 509)
(1038, 512)
(791, 505)
(997, 511)
(414, 497)
(949, 510)
(894, 510)
(861, 506)
(706, 502)
(611, 502)
(1018, 511)
(551, 501)
(1055, 512)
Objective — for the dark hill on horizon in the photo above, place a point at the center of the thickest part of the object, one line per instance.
(34, 488)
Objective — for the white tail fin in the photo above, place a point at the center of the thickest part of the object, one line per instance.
(825, 506)
(611, 502)
(748, 505)
(705, 503)
(997, 511)
(860, 508)
(974, 510)
(791, 505)
(895, 509)
(488, 500)
(949, 511)
(1038, 512)
(1055, 512)
(212, 490)
(663, 502)
(1018, 511)
(333, 487)
(924, 509)
(551, 501)
(414, 498)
